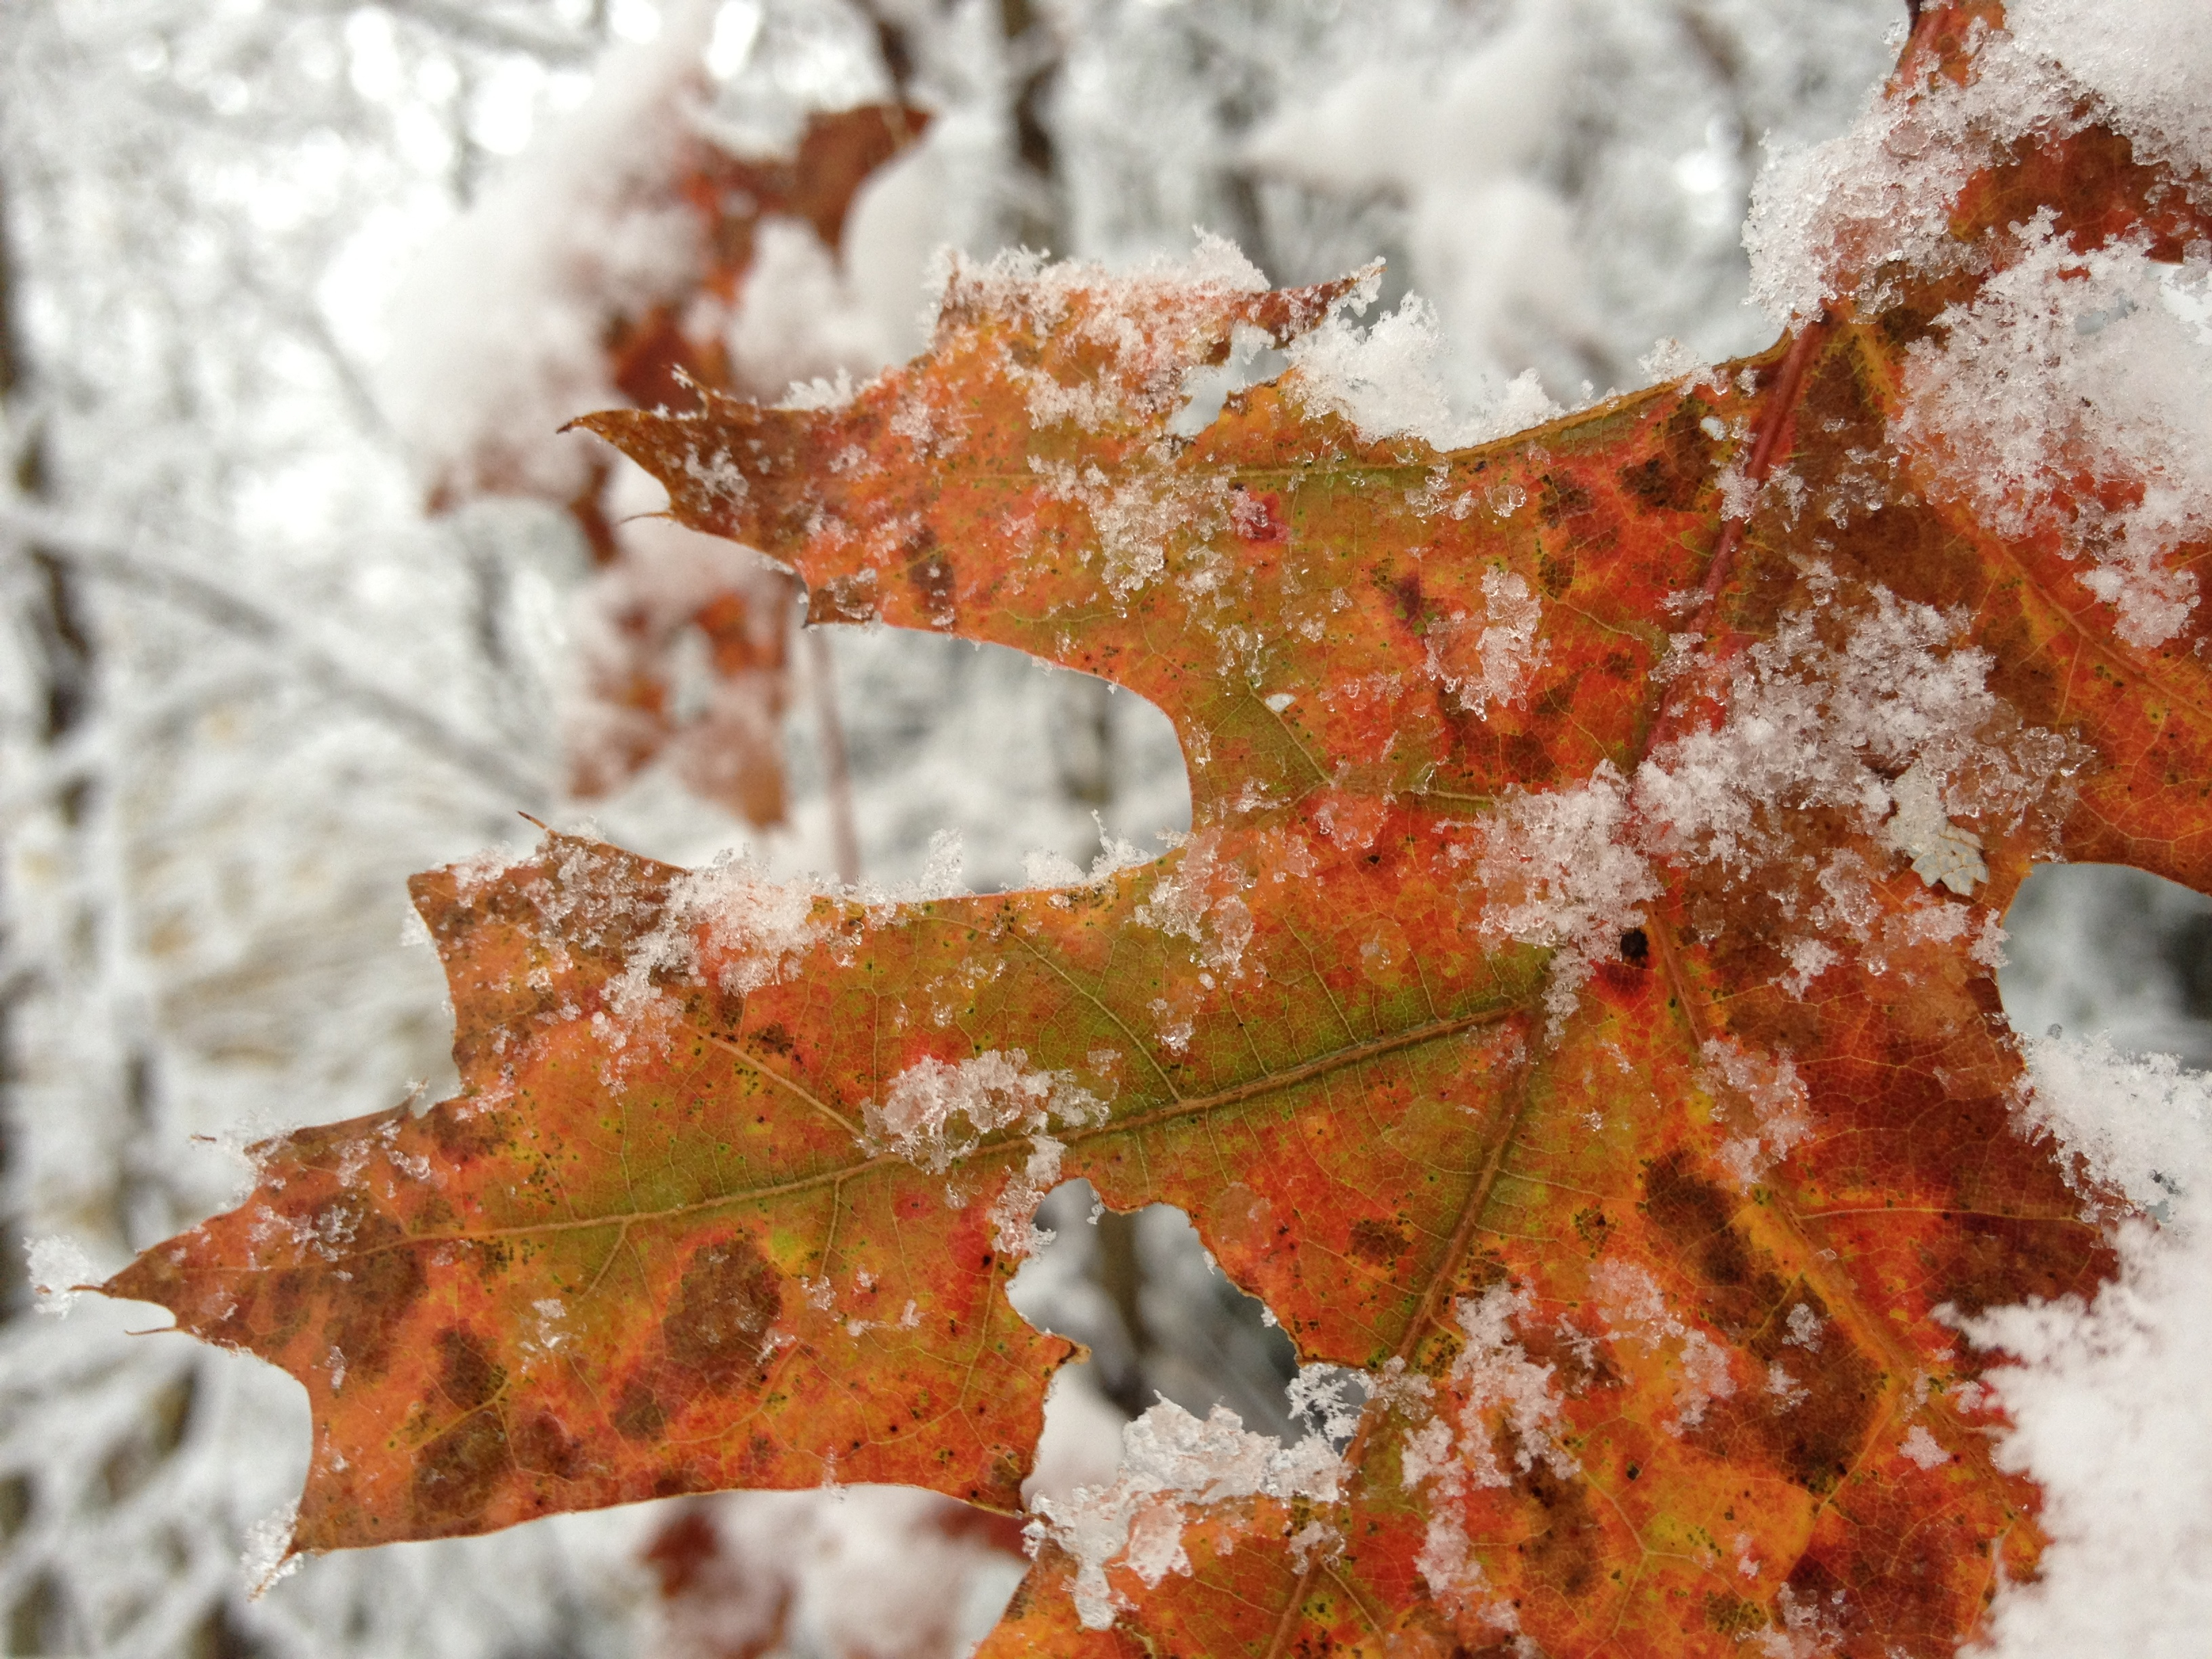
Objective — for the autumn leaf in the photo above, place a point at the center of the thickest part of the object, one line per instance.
(1573, 1007)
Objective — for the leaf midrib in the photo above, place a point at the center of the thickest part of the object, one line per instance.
(1273, 1082)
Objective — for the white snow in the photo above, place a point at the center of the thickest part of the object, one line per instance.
(2107, 1402)
(1636, 1309)
(1874, 709)
(1779, 1111)
(267, 1557)
(2150, 74)
(2071, 367)
(1810, 724)
(1496, 1378)
(1200, 899)
(1014, 1228)
(1500, 1389)
(1486, 656)
(1942, 853)
(1156, 323)
(1448, 1566)
(2137, 1123)
(1826, 220)
(1386, 380)
(1920, 1448)
(1171, 1463)
(917, 1116)
(498, 332)
(1560, 870)
(1135, 516)
(759, 927)
(57, 1264)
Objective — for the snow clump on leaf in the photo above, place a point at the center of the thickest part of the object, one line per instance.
(1172, 1463)
(2072, 370)
(917, 1117)
(2106, 1399)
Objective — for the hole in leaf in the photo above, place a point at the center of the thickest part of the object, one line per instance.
(1011, 755)
(2109, 986)
(1252, 359)
(1159, 1317)
(2100, 949)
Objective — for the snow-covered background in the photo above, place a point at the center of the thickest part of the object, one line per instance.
(273, 271)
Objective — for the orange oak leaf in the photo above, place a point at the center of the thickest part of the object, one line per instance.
(1572, 1009)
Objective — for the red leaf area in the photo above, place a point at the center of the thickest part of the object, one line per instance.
(1573, 1008)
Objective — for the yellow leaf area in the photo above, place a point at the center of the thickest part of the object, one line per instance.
(1554, 1012)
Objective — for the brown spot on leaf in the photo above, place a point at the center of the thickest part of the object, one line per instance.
(1379, 1242)
(466, 1372)
(850, 598)
(637, 1414)
(1593, 1227)
(726, 1302)
(1812, 1409)
(1563, 497)
(541, 1446)
(1988, 1260)
(367, 1309)
(1566, 1554)
(1407, 591)
(1671, 480)
(1695, 1215)
(457, 1473)
(465, 1133)
(934, 584)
